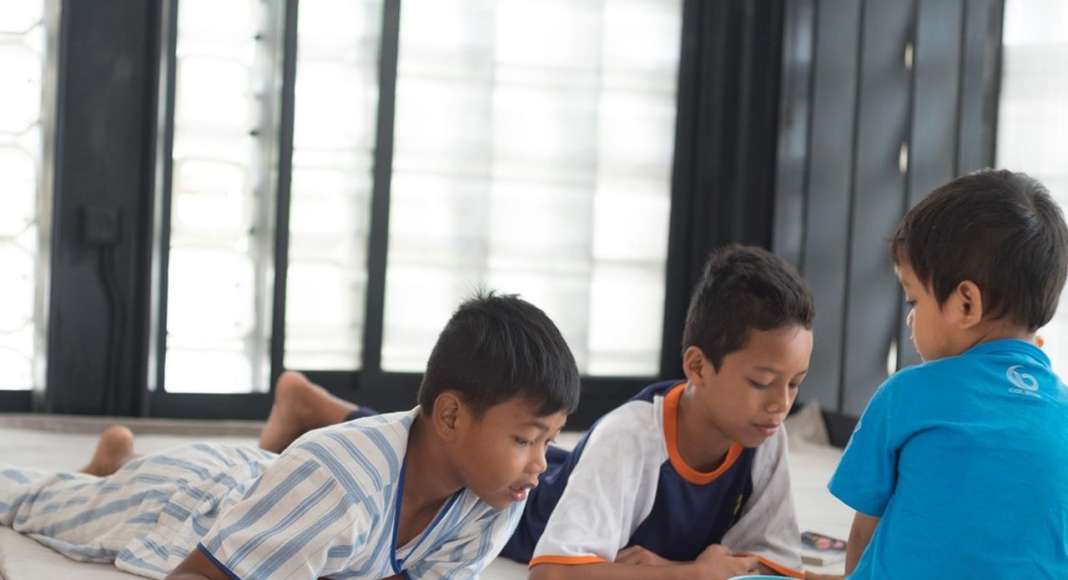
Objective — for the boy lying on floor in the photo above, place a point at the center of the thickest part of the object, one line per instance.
(430, 493)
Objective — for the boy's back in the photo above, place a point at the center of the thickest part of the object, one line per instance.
(959, 467)
(966, 460)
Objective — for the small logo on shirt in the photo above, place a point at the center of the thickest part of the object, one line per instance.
(1023, 383)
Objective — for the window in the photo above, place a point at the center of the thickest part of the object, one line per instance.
(26, 37)
(532, 151)
(333, 158)
(533, 155)
(221, 196)
(1033, 118)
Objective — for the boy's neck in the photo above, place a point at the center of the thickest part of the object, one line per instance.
(992, 330)
(429, 478)
(702, 446)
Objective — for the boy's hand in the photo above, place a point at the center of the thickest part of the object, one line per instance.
(639, 556)
(718, 563)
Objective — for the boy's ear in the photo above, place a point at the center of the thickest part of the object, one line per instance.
(693, 364)
(966, 304)
(446, 416)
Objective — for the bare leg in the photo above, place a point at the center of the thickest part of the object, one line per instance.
(113, 450)
(300, 406)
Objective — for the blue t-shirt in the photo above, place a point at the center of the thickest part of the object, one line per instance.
(965, 460)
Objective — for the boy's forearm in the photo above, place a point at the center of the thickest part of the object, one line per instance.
(859, 536)
(612, 571)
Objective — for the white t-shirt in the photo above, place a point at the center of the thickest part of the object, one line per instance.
(626, 484)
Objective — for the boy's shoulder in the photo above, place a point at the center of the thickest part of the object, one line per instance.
(633, 429)
(632, 422)
(384, 431)
(372, 448)
(969, 366)
(918, 378)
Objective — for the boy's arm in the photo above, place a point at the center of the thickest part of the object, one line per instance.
(715, 563)
(306, 504)
(766, 525)
(859, 536)
(197, 566)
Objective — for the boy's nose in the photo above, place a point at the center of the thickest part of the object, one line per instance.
(908, 319)
(538, 463)
(778, 400)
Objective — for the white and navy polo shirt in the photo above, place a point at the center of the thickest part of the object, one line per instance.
(626, 484)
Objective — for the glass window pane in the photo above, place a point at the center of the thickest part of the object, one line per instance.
(334, 136)
(26, 29)
(1033, 117)
(533, 152)
(222, 196)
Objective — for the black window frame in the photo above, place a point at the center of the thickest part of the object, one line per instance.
(751, 84)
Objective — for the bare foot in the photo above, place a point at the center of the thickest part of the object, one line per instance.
(300, 406)
(113, 450)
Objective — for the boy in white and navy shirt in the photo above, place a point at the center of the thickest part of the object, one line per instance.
(694, 473)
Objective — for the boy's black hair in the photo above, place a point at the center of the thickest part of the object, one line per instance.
(499, 347)
(998, 229)
(743, 288)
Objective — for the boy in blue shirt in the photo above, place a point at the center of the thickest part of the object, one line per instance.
(958, 467)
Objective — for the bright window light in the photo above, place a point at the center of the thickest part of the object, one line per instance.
(1033, 118)
(222, 196)
(532, 155)
(25, 33)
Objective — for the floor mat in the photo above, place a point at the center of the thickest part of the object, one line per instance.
(64, 443)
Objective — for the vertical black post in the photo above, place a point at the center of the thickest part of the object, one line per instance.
(285, 178)
(378, 242)
(164, 173)
(726, 138)
(106, 128)
(791, 191)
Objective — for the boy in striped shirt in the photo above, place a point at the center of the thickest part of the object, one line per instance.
(689, 478)
(434, 492)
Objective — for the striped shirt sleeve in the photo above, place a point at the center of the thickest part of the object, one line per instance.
(466, 553)
(302, 519)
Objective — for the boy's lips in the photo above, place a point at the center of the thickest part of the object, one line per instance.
(767, 429)
(519, 492)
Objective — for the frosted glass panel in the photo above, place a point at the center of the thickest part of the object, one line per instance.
(223, 195)
(1033, 119)
(533, 155)
(24, 58)
(333, 149)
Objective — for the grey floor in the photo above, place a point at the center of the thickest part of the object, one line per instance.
(63, 443)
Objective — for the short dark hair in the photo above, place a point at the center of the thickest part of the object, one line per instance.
(499, 347)
(998, 229)
(744, 288)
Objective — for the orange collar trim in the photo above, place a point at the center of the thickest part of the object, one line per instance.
(671, 434)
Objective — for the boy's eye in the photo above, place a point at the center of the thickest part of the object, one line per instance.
(911, 303)
(758, 384)
(522, 442)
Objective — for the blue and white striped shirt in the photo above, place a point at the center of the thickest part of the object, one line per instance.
(327, 507)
